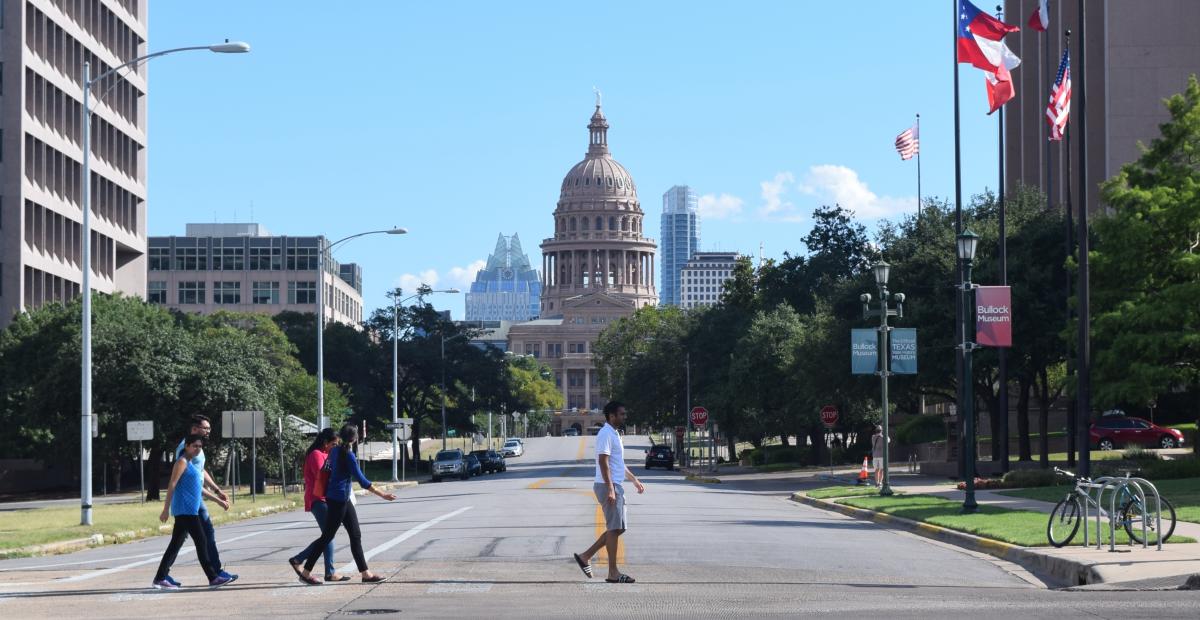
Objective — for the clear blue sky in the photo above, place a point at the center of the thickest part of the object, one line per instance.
(458, 120)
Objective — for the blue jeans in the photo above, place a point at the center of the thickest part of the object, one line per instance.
(320, 510)
(211, 536)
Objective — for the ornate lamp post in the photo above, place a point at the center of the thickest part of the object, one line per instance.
(967, 242)
(882, 270)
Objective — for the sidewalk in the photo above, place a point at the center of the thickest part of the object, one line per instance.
(1073, 565)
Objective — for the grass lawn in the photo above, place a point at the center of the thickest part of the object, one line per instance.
(1018, 527)
(1184, 493)
(38, 526)
(1061, 457)
(842, 491)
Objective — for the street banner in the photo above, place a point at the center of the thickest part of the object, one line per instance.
(864, 351)
(993, 316)
(904, 351)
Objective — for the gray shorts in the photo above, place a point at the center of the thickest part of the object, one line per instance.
(614, 514)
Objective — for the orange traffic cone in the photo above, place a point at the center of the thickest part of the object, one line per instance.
(864, 475)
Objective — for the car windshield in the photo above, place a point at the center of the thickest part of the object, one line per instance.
(449, 456)
(661, 450)
(479, 453)
(511, 443)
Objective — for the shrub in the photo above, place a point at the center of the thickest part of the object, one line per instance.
(1153, 470)
(921, 429)
(1138, 453)
(1024, 478)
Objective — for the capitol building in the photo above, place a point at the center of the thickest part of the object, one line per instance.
(597, 268)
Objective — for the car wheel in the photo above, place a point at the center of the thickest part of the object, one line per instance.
(1106, 444)
(1167, 442)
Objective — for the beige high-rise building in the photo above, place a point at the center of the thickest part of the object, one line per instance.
(1139, 52)
(43, 45)
(596, 269)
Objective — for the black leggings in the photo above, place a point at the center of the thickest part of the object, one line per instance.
(186, 525)
(340, 514)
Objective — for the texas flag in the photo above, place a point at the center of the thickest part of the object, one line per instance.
(980, 38)
(1000, 88)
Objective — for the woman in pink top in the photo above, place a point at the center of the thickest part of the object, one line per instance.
(314, 460)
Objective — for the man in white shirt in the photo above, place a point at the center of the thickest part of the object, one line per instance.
(608, 485)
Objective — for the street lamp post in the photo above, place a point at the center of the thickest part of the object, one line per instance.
(85, 426)
(327, 249)
(396, 303)
(967, 241)
(882, 270)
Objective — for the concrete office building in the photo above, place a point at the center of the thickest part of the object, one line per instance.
(43, 45)
(703, 278)
(242, 268)
(507, 288)
(680, 237)
(596, 269)
(1139, 52)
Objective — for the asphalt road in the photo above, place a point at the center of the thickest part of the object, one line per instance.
(500, 546)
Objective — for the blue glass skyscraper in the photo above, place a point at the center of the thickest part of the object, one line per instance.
(679, 238)
(508, 288)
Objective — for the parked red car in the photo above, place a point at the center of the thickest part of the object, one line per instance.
(1119, 431)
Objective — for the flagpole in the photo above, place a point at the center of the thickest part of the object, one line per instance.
(1067, 184)
(919, 203)
(1084, 365)
(1002, 353)
(966, 468)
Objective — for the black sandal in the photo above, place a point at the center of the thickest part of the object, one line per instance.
(374, 579)
(622, 579)
(310, 580)
(296, 567)
(586, 567)
(340, 578)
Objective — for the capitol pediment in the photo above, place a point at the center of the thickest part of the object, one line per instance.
(599, 300)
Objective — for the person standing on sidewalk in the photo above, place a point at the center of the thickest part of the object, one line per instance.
(608, 486)
(203, 427)
(314, 460)
(877, 454)
(184, 501)
(343, 469)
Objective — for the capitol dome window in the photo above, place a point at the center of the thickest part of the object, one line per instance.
(572, 224)
(609, 181)
(576, 181)
(585, 223)
(587, 181)
(599, 223)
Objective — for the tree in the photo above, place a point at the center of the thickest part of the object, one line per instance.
(1146, 267)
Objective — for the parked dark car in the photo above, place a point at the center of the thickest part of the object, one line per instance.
(660, 456)
(1111, 432)
(474, 467)
(570, 432)
(491, 461)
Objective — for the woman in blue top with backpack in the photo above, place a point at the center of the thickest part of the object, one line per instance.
(342, 469)
(183, 502)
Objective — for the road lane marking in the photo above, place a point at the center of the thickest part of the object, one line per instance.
(403, 537)
(192, 549)
(582, 445)
(601, 528)
(80, 563)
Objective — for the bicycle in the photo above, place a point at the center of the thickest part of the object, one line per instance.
(1068, 513)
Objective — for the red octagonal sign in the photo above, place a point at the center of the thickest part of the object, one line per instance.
(699, 416)
(829, 416)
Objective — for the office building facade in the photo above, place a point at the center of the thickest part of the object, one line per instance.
(242, 268)
(43, 47)
(703, 278)
(680, 238)
(507, 288)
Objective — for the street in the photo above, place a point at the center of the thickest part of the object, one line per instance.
(500, 546)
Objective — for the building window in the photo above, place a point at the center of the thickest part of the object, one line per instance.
(266, 259)
(577, 347)
(227, 292)
(191, 259)
(191, 293)
(533, 349)
(229, 259)
(554, 349)
(160, 259)
(265, 293)
(302, 259)
(157, 292)
(302, 292)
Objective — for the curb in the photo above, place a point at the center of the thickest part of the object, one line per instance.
(1064, 570)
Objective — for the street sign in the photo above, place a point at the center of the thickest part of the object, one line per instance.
(699, 416)
(243, 424)
(403, 433)
(407, 421)
(139, 430)
(829, 416)
(391, 426)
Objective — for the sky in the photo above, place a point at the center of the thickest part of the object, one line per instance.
(458, 120)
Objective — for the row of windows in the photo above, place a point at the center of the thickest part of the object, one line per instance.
(103, 24)
(42, 288)
(52, 233)
(233, 258)
(115, 203)
(263, 293)
(627, 224)
(618, 182)
(555, 349)
(53, 44)
(53, 170)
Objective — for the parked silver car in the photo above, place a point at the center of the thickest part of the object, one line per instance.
(450, 463)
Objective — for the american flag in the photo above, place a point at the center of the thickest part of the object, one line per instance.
(1059, 108)
(908, 143)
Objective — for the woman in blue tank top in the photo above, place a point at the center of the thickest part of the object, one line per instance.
(184, 497)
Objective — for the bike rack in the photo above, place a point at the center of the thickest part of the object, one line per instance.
(1116, 487)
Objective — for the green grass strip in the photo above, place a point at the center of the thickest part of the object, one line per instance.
(842, 491)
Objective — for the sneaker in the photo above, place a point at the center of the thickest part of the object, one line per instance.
(172, 581)
(230, 577)
(165, 584)
(219, 581)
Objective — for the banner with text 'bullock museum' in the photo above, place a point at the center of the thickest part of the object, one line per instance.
(993, 316)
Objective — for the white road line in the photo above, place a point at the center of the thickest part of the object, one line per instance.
(124, 557)
(192, 549)
(405, 536)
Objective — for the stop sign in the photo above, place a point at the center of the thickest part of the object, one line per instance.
(829, 416)
(699, 416)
